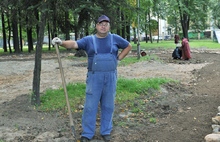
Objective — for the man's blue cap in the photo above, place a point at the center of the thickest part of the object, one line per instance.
(103, 18)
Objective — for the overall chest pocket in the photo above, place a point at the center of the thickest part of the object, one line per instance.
(104, 62)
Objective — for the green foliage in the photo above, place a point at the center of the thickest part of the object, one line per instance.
(216, 13)
(16, 125)
(153, 120)
(136, 110)
(122, 124)
(193, 15)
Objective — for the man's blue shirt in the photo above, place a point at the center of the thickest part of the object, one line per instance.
(103, 46)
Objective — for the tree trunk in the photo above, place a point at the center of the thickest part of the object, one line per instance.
(87, 23)
(54, 26)
(123, 25)
(128, 29)
(4, 33)
(37, 17)
(128, 33)
(135, 38)
(29, 37)
(150, 28)
(76, 28)
(158, 29)
(87, 28)
(184, 18)
(118, 31)
(67, 25)
(118, 27)
(79, 53)
(20, 31)
(54, 29)
(146, 34)
(176, 21)
(15, 31)
(30, 41)
(48, 29)
(9, 31)
(35, 98)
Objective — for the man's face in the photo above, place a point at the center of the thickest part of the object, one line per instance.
(103, 27)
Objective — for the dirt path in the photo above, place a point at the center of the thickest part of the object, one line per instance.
(197, 98)
(16, 77)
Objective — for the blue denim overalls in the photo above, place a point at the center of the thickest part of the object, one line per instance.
(101, 87)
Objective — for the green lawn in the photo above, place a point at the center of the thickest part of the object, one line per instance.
(127, 90)
(165, 44)
(170, 44)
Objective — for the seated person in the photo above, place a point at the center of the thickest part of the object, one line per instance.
(177, 54)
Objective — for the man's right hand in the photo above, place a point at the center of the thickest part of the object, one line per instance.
(56, 40)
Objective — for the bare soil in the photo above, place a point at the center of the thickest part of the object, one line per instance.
(178, 112)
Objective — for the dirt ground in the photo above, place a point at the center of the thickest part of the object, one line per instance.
(179, 112)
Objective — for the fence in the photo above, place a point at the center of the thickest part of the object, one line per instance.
(203, 35)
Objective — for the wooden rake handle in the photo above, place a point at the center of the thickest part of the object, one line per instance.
(65, 90)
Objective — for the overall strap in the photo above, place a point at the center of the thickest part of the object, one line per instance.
(95, 47)
(111, 42)
(94, 43)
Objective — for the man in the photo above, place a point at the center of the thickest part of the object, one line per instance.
(186, 55)
(102, 50)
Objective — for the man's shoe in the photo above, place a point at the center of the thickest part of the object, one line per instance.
(106, 138)
(84, 139)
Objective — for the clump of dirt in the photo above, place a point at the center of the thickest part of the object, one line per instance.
(179, 111)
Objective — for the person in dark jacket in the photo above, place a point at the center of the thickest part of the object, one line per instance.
(177, 54)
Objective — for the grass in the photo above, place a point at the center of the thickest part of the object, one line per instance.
(55, 99)
(170, 44)
(131, 60)
(127, 90)
(130, 89)
(204, 43)
(209, 43)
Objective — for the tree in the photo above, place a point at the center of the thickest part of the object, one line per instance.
(146, 8)
(14, 20)
(215, 8)
(159, 12)
(20, 30)
(194, 11)
(3, 31)
(9, 31)
(35, 98)
(173, 17)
